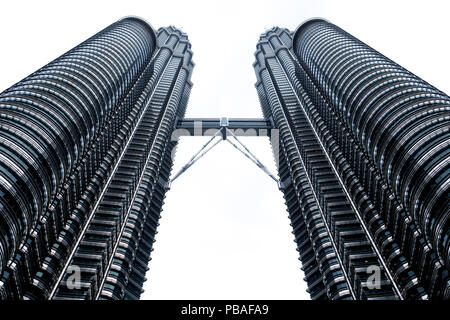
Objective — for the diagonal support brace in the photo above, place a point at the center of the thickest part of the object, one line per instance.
(203, 150)
(251, 156)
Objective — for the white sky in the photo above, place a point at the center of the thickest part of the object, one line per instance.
(224, 230)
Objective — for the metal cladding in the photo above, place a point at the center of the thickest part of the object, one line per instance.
(86, 148)
(364, 164)
(85, 153)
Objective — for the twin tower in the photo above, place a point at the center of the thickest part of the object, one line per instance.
(86, 144)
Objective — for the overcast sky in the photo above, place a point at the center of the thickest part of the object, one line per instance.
(224, 230)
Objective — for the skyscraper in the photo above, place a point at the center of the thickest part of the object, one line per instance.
(364, 164)
(85, 156)
(87, 143)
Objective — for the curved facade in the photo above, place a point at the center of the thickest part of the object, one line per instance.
(384, 134)
(50, 119)
(399, 120)
(67, 133)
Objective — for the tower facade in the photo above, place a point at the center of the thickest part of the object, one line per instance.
(87, 142)
(364, 164)
(85, 156)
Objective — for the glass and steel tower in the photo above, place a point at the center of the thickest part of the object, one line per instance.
(85, 156)
(364, 164)
(87, 143)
